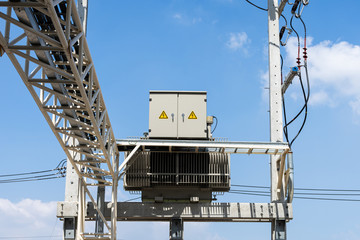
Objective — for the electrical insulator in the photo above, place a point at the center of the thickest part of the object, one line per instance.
(305, 53)
(282, 32)
(295, 6)
(305, 2)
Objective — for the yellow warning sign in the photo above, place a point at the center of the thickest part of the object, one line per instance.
(163, 115)
(192, 115)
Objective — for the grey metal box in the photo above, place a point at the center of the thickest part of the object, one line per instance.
(177, 114)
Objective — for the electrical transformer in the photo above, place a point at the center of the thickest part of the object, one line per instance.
(180, 174)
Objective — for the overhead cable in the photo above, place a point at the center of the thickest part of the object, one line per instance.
(261, 8)
(58, 172)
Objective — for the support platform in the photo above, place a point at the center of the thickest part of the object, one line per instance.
(269, 148)
(198, 212)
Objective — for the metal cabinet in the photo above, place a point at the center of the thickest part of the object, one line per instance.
(174, 114)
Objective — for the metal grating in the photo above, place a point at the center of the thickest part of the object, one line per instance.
(204, 170)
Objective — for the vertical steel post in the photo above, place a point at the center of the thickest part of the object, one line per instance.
(71, 196)
(278, 228)
(99, 225)
(176, 229)
(114, 197)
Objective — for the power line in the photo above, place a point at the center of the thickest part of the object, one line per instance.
(306, 195)
(261, 8)
(26, 173)
(306, 189)
(58, 236)
(303, 193)
(310, 198)
(132, 199)
(30, 180)
(58, 172)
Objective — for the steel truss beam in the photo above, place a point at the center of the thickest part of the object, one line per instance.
(269, 148)
(45, 41)
(199, 212)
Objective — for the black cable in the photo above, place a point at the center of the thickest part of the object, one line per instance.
(254, 194)
(306, 97)
(306, 112)
(30, 180)
(330, 199)
(301, 189)
(62, 162)
(311, 198)
(249, 186)
(285, 130)
(302, 193)
(264, 9)
(250, 191)
(215, 124)
(328, 189)
(286, 23)
(32, 177)
(27, 173)
(57, 172)
(328, 194)
(298, 40)
(132, 199)
(58, 236)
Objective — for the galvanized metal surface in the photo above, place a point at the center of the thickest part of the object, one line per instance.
(46, 43)
(202, 212)
(152, 169)
(270, 148)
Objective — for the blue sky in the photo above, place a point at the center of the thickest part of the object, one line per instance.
(218, 46)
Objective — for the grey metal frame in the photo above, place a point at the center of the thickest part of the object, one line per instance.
(70, 100)
(199, 212)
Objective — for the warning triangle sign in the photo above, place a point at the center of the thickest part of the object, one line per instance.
(192, 115)
(163, 115)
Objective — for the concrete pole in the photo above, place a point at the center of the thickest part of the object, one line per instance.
(278, 228)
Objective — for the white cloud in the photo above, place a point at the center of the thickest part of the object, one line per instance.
(177, 16)
(28, 218)
(197, 20)
(355, 105)
(320, 98)
(237, 41)
(186, 20)
(333, 70)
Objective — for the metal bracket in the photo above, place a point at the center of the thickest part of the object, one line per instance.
(67, 209)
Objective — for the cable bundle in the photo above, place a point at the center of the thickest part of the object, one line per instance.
(296, 10)
(58, 172)
(303, 193)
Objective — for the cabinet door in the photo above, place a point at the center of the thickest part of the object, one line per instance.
(192, 116)
(163, 115)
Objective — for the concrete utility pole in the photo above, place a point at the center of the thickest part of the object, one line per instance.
(278, 227)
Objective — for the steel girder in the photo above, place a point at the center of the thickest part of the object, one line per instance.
(46, 43)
